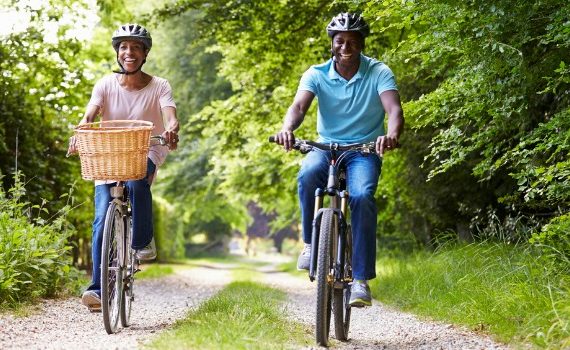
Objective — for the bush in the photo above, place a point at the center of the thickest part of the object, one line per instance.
(168, 231)
(34, 258)
(554, 241)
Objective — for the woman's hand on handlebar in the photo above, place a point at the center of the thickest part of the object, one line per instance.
(71, 148)
(171, 138)
(285, 138)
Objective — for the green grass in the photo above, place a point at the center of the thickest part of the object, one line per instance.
(291, 267)
(244, 315)
(242, 268)
(154, 271)
(498, 289)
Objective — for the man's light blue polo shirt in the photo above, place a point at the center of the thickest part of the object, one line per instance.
(349, 111)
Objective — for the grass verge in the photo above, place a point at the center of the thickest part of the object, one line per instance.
(149, 271)
(244, 315)
(498, 289)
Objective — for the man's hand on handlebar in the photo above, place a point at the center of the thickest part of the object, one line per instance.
(386, 143)
(285, 138)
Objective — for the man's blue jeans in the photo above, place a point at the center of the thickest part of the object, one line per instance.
(362, 173)
(141, 206)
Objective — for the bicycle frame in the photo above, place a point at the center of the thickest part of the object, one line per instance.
(336, 189)
(120, 195)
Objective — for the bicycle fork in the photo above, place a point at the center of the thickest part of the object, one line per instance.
(340, 240)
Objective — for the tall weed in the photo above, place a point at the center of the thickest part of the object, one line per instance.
(34, 259)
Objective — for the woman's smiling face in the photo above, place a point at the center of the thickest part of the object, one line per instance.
(131, 53)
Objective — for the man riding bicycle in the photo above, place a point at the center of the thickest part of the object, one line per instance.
(130, 94)
(354, 93)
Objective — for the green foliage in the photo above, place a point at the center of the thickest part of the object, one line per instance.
(167, 230)
(542, 163)
(500, 289)
(260, 49)
(202, 206)
(44, 85)
(484, 93)
(34, 254)
(485, 86)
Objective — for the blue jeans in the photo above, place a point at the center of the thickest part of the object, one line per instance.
(141, 206)
(362, 173)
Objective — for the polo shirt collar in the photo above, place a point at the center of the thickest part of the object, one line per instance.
(333, 74)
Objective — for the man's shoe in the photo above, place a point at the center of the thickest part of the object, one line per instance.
(148, 252)
(92, 300)
(360, 294)
(304, 258)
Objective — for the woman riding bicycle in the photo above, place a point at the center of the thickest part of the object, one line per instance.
(354, 93)
(130, 94)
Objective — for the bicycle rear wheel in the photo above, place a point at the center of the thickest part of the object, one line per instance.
(341, 296)
(129, 275)
(112, 259)
(329, 225)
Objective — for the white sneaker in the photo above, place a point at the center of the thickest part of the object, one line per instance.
(148, 252)
(304, 260)
(92, 300)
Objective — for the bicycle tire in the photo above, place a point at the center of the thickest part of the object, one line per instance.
(341, 296)
(111, 267)
(324, 263)
(129, 278)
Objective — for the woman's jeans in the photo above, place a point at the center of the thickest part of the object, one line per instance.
(362, 173)
(141, 206)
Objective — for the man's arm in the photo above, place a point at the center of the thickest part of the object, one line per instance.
(393, 107)
(294, 117)
(171, 127)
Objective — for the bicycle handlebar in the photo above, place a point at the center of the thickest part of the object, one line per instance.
(161, 140)
(307, 145)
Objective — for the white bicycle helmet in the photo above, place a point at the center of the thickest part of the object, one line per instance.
(131, 32)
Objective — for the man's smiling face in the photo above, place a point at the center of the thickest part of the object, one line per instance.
(346, 48)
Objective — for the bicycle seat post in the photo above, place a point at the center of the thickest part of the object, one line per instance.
(117, 191)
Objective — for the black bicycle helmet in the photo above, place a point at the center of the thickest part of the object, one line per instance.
(131, 32)
(348, 22)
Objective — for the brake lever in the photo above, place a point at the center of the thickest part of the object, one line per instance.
(303, 147)
(368, 148)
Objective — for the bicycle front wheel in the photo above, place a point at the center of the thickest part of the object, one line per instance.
(341, 295)
(112, 259)
(129, 275)
(329, 225)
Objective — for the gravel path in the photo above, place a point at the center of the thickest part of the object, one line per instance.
(66, 324)
(378, 326)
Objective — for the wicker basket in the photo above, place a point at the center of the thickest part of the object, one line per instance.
(113, 150)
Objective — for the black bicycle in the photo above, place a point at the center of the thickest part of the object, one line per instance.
(331, 241)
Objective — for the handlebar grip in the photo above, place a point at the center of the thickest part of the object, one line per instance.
(271, 138)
